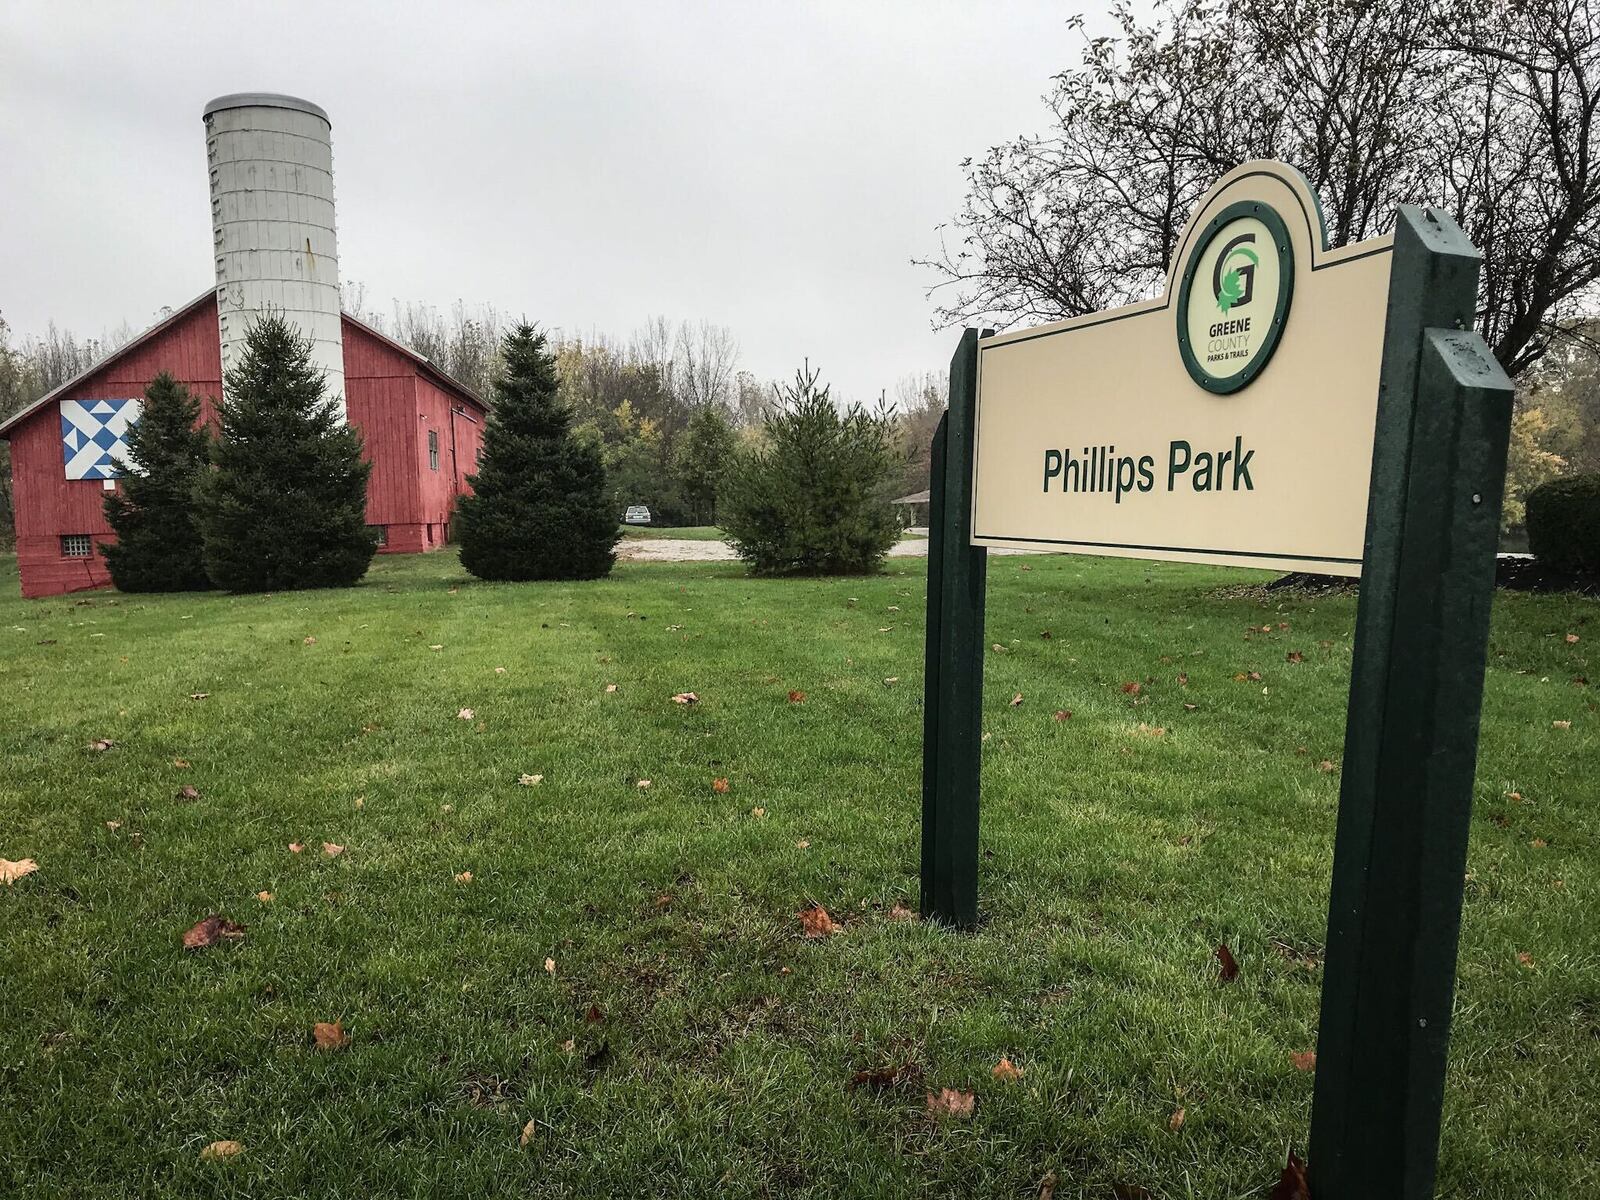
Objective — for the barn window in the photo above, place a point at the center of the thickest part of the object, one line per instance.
(380, 534)
(433, 449)
(76, 545)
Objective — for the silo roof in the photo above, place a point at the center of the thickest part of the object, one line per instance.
(264, 100)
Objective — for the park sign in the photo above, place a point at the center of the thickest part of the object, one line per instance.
(1229, 420)
(1283, 405)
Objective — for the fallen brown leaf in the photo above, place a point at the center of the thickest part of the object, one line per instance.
(199, 695)
(1007, 1071)
(219, 1151)
(187, 792)
(951, 1102)
(719, 785)
(797, 697)
(181, 763)
(464, 877)
(1130, 1191)
(802, 844)
(901, 913)
(816, 922)
(530, 780)
(686, 698)
(1175, 1121)
(11, 871)
(1305, 1060)
(1047, 1186)
(1525, 959)
(1292, 1184)
(264, 897)
(1561, 724)
(758, 813)
(296, 847)
(594, 1015)
(330, 1035)
(466, 714)
(550, 965)
(1016, 700)
(101, 745)
(1230, 965)
(611, 689)
(642, 784)
(1572, 639)
(528, 1131)
(332, 849)
(1061, 714)
(310, 641)
(1133, 689)
(1326, 766)
(208, 932)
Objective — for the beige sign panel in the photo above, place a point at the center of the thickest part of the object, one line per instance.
(1229, 421)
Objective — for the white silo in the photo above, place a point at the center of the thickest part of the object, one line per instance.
(271, 163)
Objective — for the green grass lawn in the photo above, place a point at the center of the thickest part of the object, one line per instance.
(688, 1040)
(684, 533)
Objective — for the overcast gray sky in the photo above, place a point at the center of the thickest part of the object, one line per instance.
(771, 167)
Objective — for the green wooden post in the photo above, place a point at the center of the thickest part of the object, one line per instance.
(953, 685)
(1411, 739)
(931, 660)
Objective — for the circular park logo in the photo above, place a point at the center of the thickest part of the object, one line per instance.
(1235, 296)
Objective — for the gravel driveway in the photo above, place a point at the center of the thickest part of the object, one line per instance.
(683, 550)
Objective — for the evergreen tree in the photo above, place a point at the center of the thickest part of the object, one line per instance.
(704, 452)
(286, 506)
(153, 512)
(813, 498)
(540, 509)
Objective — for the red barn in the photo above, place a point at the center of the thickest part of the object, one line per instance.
(422, 431)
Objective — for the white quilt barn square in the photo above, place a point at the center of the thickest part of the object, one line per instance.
(94, 436)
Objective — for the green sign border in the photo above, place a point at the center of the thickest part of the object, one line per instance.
(1269, 217)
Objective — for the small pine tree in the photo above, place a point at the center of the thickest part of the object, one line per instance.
(813, 498)
(539, 508)
(153, 512)
(286, 506)
(703, 455)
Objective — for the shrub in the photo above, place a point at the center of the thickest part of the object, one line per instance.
(286, 506)
(539, 508)
(813, 496)
(1564, 523)
(153, 511)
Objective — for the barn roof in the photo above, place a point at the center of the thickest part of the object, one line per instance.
(448, 382)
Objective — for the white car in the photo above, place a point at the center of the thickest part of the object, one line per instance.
(637, 514)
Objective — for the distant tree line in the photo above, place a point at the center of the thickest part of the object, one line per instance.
(667, 406)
